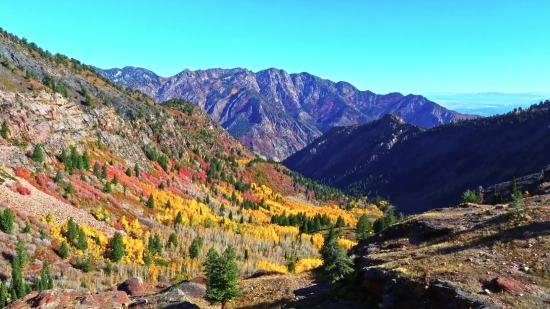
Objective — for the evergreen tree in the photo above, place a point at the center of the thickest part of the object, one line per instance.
(82, 242)
(340, 222)
(136, 170)
(45, 282)
(17, 284)
(4, 131)
(96, 170)
(179, 219)
(114, 181)
(150, 202)
(58, 177)
(27, 228)
(364, 227)
(72, 230)
(116, 248)
(147, 259)
(64, 250)
(20, 254)
(514, 188)
(4, 295)
(104, 171)
(128, 172)
(107, 188)
(38, 154)
(194, 249)
(335, 261)
(86, 161)
(6, 220)
(173, 240)
(222, 275)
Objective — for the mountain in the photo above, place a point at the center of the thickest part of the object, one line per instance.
(275, 113)
(105, 185)
(422, 169)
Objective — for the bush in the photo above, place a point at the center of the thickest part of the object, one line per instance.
(470, 197)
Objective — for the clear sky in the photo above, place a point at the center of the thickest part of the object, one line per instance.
(384, 46)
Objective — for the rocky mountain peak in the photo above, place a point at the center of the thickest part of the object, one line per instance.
(276, 113)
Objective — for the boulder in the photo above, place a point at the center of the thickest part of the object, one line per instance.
(133, 287)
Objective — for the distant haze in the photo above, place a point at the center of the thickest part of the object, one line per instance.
(488, 103)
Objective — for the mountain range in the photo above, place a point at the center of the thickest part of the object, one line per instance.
(420, 169)
(275, 113)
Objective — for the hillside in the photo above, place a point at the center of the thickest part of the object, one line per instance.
(275, 113)
(468, 256)
(424, 169)
(84, 160)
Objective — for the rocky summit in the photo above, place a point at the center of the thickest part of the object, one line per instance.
(276, 113)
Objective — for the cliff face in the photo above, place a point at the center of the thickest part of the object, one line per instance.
(276, 113)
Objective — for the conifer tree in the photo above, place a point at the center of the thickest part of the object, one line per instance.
(4, 295)
(20, 254)
(151, 202)
(222, 275)
(38, 154)
(58, 177)
(335, 261)
(72, 230)
(6, 220)
(116, 247)
(129, 172)
(82, 243)
(173, 240)
(4, 131)
(86, 161)
(45, 282)
(104, 171)
(64, 250)
(96, 170)
(136, 170)
(17, 284)
(364, 227)
(179, 219)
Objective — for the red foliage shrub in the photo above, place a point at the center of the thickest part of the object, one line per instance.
(22, 189)
(22, 172)
(42, 180)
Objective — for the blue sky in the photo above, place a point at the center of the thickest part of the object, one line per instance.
(415, 47)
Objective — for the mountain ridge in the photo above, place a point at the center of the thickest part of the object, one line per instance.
(276, 113)
(429, 168)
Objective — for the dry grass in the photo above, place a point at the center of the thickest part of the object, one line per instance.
(485, 243)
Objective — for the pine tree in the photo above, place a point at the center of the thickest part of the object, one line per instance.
(340, 222)
(64, 250)
(222, 275)
(364, 227)
(17, 284)
(147, 259)
(58, 177)
(86, 161)
(172, 240)
(6, 220)
(27, 228)
(96, 170)
(116, 247)
(514, 187)
(128, 172)
(45, 282)
(114, 181)
(4, 131)
(335, 261)
(4, 295)
(179, 219)
(72, 230)
(38, 154)
(107, 188)
(20, 254)
(136, 170)
(194, 250)
(82, 242)
(150, 202)
(104, 171)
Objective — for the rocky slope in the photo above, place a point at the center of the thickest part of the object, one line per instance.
(276, 113)
(423, 169)
(469, 256)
